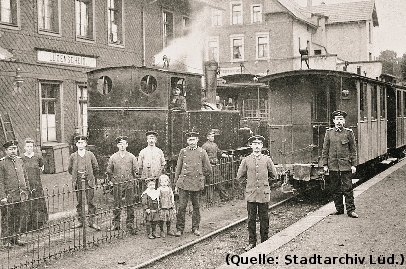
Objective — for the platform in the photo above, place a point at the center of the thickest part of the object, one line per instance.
(375, 240)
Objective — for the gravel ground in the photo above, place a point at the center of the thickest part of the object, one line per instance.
(212, 253)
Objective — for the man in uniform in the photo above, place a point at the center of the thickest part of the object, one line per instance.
(151, 160)
(191, 169)
(339, 158)
(213, 152)
(256, 168)
(13, 193)
(84, 168)
(122, 170)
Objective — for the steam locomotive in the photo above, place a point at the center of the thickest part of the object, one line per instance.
(130, 100)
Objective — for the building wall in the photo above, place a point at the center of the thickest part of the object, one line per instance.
(24, 103)
(282, 30)
(348, 40)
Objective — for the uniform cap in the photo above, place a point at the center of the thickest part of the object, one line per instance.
(259, 138)
(192, 134)
(10, 143)
(339, 113)
(151, 133)
(121, 139)
(80, 137)
(213, 132)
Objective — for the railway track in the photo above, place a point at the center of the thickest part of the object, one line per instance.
(235, 234)
(201, 240)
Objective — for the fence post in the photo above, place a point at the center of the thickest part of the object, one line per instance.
(82, 193)
(232, 175)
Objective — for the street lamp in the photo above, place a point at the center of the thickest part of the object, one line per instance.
(18, 80)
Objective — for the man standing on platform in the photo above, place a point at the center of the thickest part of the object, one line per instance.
(151, 160)
(191, 169)
(13, 194)
(339, 158)
(257, 168)
(122, 169)
(84, 168)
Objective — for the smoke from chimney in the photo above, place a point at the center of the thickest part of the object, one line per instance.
(186, 53)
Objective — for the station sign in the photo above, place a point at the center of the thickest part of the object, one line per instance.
(65, 59)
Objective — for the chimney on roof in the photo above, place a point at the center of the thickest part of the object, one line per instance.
(309, 5)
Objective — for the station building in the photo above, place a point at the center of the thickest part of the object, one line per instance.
(47, 46)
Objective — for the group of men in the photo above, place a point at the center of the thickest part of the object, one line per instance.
(124, 169)
(194, 166)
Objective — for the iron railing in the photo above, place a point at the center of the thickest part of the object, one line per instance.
(49, 222)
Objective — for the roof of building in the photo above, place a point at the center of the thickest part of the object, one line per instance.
(296, 11)
(347, 12)
(211, 3)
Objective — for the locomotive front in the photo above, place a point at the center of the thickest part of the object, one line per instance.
(133, 100)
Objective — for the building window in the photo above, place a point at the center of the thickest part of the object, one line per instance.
(8, 12)
(49, 111)
(317, 52)
(217, 18)
(115, 19)
(237, 48)
(82, 107)
(255, 108)
(262, 46)
(213, 49)
(48, 15)
(185, 25)
(236, 13)
(370, 32)
(167, 28)
(256, 16)
(84, 18)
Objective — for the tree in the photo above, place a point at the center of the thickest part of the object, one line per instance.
(390, 63)
(403, 66)
(388, 55)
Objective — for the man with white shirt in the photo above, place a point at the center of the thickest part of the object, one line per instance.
(151, 160)
(83, 167)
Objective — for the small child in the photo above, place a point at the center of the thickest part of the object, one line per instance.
(167, 205)
(150, 201)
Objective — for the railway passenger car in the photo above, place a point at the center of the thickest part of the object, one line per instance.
(300, 107)
(131, 100)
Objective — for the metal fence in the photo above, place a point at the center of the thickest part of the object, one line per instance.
(48, 223)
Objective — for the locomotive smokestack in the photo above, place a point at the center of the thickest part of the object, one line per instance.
(210, 74)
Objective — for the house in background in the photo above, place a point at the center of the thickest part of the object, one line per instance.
(348, 28)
